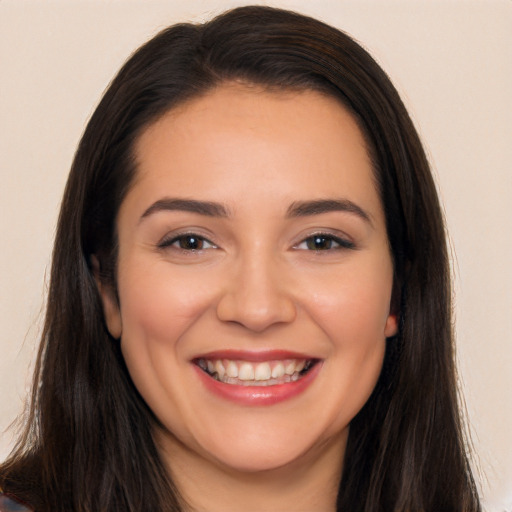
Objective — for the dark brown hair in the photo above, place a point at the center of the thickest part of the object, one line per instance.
(88, 443)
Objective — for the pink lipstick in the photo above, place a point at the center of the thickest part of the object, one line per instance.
(256, 378)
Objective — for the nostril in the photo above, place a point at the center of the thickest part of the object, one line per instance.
(256, 311)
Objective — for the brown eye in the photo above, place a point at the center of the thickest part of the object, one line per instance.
(319, 243)
(190, 243)
(187, 242)
(324, 242)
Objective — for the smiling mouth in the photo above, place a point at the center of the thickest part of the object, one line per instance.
(248, 373)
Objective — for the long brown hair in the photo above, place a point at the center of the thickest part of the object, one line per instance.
(88, 442)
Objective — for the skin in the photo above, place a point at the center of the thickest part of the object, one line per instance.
(256, 284)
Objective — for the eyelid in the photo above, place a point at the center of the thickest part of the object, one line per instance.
(171, 238)
(342, 242)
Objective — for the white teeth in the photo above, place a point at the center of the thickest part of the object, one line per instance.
(232, 369)
(262, 372)
(300, 365)
(246, 372)
(290, 368)
(278, 371)
(219, 368)
(266, 373)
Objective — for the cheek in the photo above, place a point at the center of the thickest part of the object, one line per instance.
(353, 313)
(354, 306)
(158, 305)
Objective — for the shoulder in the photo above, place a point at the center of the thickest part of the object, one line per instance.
(21, 484)
(10, 504)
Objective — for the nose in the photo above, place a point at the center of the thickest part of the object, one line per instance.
(257, 295)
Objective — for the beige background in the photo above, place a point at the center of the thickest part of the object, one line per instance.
(452, 62)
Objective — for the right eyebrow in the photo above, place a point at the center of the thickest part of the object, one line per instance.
(207, 208)
(319, 206)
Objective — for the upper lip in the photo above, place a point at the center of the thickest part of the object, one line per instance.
(254, 356)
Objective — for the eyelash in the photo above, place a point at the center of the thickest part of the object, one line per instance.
(176, 241)
(311, 243)
(341, 243)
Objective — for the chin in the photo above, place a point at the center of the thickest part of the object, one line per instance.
(257, 462)
(269, 450)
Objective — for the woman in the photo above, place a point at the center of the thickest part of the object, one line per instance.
(249, 304)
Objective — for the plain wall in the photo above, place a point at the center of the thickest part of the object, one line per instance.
(452, 63)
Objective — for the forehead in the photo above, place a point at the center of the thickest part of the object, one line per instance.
(289, 143)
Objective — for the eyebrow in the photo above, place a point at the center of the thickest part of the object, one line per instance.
(208, 208)
(319, 206)
(296, 209)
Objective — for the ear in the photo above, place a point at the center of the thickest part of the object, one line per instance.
(109, 301)
(391, 327)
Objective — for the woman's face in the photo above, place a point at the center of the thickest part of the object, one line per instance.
(254, 277)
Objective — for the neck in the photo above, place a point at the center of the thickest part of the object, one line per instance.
(309, 483)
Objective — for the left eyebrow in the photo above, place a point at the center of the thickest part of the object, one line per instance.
(207, 208)
(319, 206)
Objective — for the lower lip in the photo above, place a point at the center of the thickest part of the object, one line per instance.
(258, 395)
